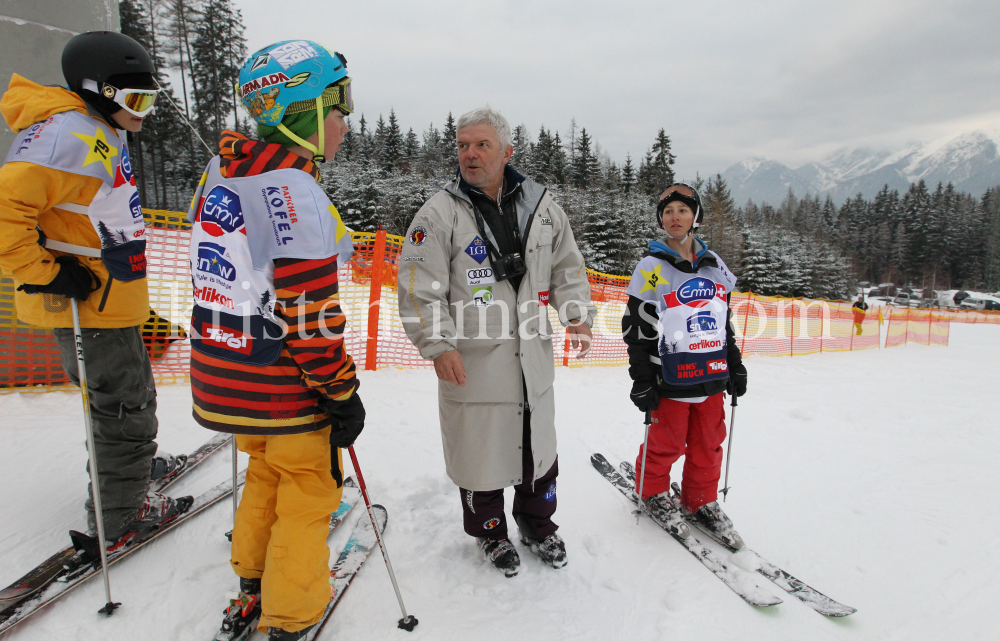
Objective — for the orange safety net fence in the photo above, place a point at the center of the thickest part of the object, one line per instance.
(922, 326)
(29, 357)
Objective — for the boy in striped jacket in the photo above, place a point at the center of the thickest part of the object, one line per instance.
(268, 362)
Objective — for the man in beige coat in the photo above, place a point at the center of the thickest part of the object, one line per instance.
(482, 262)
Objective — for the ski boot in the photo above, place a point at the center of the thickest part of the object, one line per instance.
(164, 464)
(155, 510)
(713, 520)
(501, 553)
(551, 550)
(667, 511)
(277, 634)
(243, 612)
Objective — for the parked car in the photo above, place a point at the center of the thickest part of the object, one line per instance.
(980, 303)
(887, 289)
(903, 299)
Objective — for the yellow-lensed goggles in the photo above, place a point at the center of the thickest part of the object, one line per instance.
(337, 95)
(138, 102)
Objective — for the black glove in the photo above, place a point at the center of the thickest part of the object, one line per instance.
(737, 385)
(74, 280)
(348, 420)
(645, 396)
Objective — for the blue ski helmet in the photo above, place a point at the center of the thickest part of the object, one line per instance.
(291, 71)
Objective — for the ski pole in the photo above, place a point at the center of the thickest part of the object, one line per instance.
(236, 501)
(729, 447)
(642, 476)
(408, 622)
(81, 367)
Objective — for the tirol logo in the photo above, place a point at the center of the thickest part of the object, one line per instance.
(492, 523)
(696, 292)
(417, 236)
(226, 338)
(221, 213)
(477, 249)
(211, 261)
(702, 322)
(718, 365)
(543, 297)
(135, 206)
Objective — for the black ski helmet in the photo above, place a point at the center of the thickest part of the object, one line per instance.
(106, 57)
(692, 199)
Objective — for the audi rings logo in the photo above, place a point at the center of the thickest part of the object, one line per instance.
(481, 273)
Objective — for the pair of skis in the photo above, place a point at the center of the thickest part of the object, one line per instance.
(68, 568)
(737, 579)
(353, 556)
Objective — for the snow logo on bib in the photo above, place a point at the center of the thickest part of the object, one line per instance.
(702, 322)
(221, 212)
(211, 260)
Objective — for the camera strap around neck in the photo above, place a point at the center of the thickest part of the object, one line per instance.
(488, 238)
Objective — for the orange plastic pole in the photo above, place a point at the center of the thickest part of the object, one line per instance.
(566, 351)
(375, 301)
(791, 335)
(851, 348)
(821, 332)
(746, 318)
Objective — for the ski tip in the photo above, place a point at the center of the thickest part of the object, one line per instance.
(381, 515)
(600, 463)
(350, 482)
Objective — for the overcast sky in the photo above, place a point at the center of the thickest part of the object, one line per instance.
(791, 80)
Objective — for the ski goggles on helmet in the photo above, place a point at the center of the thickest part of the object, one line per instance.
(336, 95)
(138, 102)
(679, 192)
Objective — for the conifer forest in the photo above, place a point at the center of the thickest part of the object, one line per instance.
(930, 236)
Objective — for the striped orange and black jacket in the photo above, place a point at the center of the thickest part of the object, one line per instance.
(282, 398)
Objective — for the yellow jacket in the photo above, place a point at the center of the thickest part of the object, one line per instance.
(29, 194)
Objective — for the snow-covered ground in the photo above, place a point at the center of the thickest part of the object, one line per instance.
(870, 475)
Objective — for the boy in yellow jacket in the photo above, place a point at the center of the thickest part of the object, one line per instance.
(71, 227)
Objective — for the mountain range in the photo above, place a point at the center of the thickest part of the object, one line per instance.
(971, 162)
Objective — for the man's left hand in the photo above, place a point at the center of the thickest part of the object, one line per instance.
(580, 336)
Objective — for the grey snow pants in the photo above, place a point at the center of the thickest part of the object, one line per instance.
(123, 414)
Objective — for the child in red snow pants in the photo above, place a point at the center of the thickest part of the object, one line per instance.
(695, 430)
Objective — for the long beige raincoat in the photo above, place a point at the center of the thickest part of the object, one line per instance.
(449, 299)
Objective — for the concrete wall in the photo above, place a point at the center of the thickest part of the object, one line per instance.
(33, 34)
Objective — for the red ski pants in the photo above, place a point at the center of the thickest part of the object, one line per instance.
(695, 430)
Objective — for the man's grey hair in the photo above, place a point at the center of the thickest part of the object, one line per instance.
(491, 117)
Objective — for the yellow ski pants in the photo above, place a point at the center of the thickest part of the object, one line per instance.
(282, 524)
